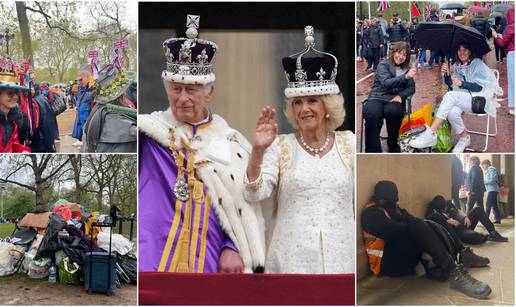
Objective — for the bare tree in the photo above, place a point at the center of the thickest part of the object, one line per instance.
(42, 169)
(23, 21)
(123, 188)
(81, 175)
(105, 168)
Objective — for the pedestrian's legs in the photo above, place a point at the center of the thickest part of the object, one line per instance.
(376, 57)
(384, 48)
(476, 215)
(369, 57)
(422, 57)
(471, 202)
(491, 202)
(393, 113)
(433, 54)
(373, 116)
(455, 196)
(480, 200)
(510, 78)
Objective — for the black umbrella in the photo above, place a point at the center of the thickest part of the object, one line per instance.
(444, 36)
(452, 6)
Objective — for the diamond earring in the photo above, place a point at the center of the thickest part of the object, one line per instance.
(327, 116)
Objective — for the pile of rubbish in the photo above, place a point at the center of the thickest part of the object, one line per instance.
(70, 246)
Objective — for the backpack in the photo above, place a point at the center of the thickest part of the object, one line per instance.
(59, 104)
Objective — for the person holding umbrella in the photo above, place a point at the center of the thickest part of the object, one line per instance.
(472, 87)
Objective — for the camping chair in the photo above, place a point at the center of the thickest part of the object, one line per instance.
(406, 105)
(487, 132)
(22, 237)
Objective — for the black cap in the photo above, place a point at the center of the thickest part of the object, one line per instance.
(395, 14)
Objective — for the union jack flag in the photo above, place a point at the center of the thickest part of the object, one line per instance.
(428, 9)
(384, 5)
(117, 56)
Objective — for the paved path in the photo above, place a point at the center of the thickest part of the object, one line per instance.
(65, 122)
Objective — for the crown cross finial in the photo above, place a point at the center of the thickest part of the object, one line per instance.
(192, 23)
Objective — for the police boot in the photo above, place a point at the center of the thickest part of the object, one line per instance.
(468, 285)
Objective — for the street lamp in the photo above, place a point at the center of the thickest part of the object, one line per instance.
(6, 37)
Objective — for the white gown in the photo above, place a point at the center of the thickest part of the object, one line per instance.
(315, 224)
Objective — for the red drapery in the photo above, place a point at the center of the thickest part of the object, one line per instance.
(245, 289)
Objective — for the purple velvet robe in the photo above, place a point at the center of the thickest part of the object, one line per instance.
(156, 209)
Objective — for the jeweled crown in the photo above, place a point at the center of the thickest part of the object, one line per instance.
(310, 75)
(189, 59)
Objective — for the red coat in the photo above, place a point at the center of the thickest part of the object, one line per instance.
(507, 40)
(13, 145)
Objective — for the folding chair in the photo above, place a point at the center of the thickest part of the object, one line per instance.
(487, 133)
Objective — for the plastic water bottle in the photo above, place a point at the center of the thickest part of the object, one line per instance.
(52, 274)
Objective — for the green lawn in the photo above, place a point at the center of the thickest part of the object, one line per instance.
(6, 230)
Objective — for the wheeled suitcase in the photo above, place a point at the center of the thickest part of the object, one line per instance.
(100, 267)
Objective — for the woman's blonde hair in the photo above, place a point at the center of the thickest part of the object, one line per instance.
(334, 105)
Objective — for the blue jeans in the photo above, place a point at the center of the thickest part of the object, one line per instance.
(434, 55)
(422, 58)
(510, 77)
(492, 202)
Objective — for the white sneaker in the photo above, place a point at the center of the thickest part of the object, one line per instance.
(462, 144)
(427, 138)
(77, 144)
(418, 64)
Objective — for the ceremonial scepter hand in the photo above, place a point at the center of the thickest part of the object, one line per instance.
(264, 134)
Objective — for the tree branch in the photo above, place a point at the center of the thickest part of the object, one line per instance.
(19, 184)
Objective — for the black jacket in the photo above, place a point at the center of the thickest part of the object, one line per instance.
(374, 36)
(482, 25)
(457, 173)
(475, 181)
(400, 255)
(386, 85)
(397, 32)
